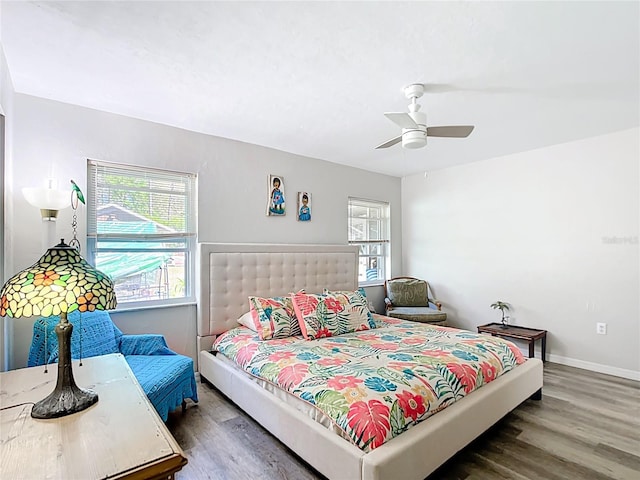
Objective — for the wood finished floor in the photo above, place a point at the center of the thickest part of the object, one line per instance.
(587, 427)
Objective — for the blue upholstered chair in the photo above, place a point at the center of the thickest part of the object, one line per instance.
(165, 376)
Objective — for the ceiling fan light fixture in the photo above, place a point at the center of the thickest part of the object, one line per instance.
(414, 139)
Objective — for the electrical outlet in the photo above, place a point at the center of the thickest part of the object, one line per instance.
(601, 328)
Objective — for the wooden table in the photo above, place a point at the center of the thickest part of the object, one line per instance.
(530, 335)
(121, 436)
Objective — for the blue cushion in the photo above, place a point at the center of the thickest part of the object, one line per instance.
(96, 336)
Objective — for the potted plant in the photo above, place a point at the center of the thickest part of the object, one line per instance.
(502, 306)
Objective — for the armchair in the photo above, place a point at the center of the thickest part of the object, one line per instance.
(410, 298)
(166, 377)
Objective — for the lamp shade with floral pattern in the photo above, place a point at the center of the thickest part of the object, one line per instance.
(59, 283)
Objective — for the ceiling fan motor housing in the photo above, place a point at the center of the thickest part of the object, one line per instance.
(415, 138)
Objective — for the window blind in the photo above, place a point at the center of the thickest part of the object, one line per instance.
(147, 194)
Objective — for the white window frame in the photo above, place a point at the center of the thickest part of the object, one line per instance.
(188, 238)
(379, 216)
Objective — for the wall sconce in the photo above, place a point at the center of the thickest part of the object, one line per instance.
(49, 200)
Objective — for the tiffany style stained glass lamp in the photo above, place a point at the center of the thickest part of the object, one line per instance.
(57, 284)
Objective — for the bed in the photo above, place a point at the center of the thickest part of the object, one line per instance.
(230, 273)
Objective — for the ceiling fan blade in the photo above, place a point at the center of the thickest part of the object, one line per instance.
(402, 120)
(390, 143)
(454, 131)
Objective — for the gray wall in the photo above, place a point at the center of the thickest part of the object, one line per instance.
(54, 139)
(552, 231)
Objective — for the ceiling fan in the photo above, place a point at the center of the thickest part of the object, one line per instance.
(414, 124)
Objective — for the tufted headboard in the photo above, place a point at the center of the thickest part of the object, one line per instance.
(230, 273)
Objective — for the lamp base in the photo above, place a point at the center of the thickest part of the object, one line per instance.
(64, 401)
(67, 397)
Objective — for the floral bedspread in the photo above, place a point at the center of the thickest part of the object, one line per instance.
(376, 384)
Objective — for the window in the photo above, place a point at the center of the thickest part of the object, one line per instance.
(141, 231)
(369, 228)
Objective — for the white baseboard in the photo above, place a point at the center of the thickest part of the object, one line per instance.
(572, 362)
(594, 367)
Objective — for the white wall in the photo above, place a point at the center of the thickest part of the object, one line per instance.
(553, 231)
(53, 139)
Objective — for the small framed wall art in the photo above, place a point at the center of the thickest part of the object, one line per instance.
(276, 203)
(304, 206)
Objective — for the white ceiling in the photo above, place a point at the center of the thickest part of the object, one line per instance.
(314, 78)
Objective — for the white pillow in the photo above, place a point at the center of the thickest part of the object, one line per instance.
(247, 321)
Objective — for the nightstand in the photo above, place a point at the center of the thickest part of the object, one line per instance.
(529, 335)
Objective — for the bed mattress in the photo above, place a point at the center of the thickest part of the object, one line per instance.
(371, 386)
